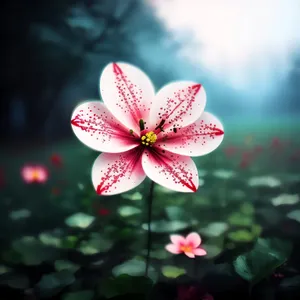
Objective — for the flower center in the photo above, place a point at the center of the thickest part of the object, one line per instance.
(35, 175)
(186, 248)
(149, 138)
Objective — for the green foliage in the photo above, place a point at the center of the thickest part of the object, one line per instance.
(262, 260)
(172, 271)
(126, 284)
(80, 295)
(134, 267)
(51, 284)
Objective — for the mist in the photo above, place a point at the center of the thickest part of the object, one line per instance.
(250, 45)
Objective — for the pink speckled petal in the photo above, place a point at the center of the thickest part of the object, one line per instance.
(193, 239)
(173, 171)
(127, 92)
(98, 129)
(173, 249)
(115, 173)
(178, 104)
(190, 254)
(199, 138)
(199, 252)
(177, 239)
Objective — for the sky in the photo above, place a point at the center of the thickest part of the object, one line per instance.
(248, 44)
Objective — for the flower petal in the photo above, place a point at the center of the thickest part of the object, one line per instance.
(115, 173)
(177, 239)
(199, 138)
(98, 129)
(173, 249)
(190, 254)
(199, 252)
(127, 92)
(178, 104)
(42, 174)
(173, 171)
(193, 239)
(27, 174)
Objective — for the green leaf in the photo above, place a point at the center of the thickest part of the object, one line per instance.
(15, 281)
(128, 211)
(80, 220)
(32, 251)
(80, 295)
(241, 236)
(65, 265)
(214, 229)
(134, 197)
(214, 247)
(125, 284)
(95, 244)
(175, 213)
(134, 267)
(247, 209)
(49, 239)
(262, 260)
(4, 270)
(172, 271)
(163, 226)
(52, 283)
(69, 241)
(239, 219)
(294, 215)
(20, 214)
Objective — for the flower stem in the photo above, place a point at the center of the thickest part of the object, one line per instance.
(149, 236)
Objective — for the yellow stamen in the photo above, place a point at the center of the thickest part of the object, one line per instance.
(186, 248)
(35, 175)
(150, 138)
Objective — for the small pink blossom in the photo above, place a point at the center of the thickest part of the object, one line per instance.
(34, 173)
(189, 245)
(145, 133)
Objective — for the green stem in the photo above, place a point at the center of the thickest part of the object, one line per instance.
(250, 291)
(149, 236)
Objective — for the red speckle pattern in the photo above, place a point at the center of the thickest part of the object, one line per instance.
(197, 133)
(100, 124)
(172, 166)
(177, 106)
(130, 95)
(123, 166)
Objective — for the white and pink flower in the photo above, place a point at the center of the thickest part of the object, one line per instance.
(34, 173)
(145, 134)
(189, 245)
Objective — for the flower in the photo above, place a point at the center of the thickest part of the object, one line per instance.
(103, 212)
(56, 160)
(34, 173)
(143, 134)
(189, 245)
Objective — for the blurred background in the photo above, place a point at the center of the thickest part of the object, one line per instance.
(247, 56)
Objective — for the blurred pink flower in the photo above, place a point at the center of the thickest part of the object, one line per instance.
(145, 134)
(189, 245)
(34, 173)
(56, 160)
